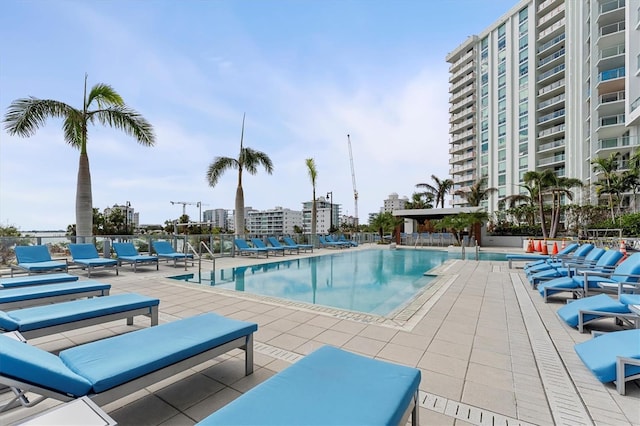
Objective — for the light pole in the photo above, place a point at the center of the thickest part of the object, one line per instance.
(200, 207)
(330, 197)
(126, 218)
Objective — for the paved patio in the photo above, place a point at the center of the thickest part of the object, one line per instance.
(490, 350)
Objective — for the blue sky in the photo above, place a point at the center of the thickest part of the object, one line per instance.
(305, 72)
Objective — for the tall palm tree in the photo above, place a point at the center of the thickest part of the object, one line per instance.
(608, 185)
(477, 192)
(440, 189)
(249, 160)
(24, 116)
(540, 182)
(561, 188)
(313, 175)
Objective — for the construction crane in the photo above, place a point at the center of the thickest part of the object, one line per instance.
(184, 205)
(353, 180)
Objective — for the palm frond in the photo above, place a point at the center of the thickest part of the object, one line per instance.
(251, 159)
(218, 167)
(73, 129)
(104, 96)
(127, 120)
(26, 115)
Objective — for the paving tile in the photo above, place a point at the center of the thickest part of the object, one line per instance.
(441, 384)
(364, 345)
(491, 358)
(149, 410)
(400, 354)
(333, 337)
(207, 406)
(454, 350)
(444, 364)
(490, 398)
(496, 378)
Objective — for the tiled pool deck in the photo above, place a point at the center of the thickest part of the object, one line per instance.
(490, 350)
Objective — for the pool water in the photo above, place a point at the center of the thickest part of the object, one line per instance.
(373, 281)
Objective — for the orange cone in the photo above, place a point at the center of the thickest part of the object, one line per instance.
(530, 247)
(623, 249)
(536, 246)
(554, 250)
(544, 248)
(564, 244)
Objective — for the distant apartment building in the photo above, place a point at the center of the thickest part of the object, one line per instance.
(277, 221)
(231, 218)
(551, 85)
(327, 215)
(216, 218)
(394, 202)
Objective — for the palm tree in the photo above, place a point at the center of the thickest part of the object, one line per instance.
(608, 167)
(24, 116)
(313, 175)
(476, 192)
(440, 189)
(249, 160)
(561, 187)
(539, 182)
(420, 200)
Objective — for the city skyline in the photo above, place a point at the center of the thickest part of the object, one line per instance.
(305, 73)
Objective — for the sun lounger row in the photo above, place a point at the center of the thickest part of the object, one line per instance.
(613, 356)
(260, 248)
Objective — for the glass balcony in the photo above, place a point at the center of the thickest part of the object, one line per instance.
(551, 72)
(551, 116)
(608, 6)
(611, 74)
(618, 142)
(612, 28)
(550, 43)
(612, 120)
(612, 51)
(551, 160)
(551, 101)
(551, 57)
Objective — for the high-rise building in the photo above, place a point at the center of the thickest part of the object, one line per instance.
(275, 221)
(217, 218)
(394, 202)
(327, 215)
(551, 85)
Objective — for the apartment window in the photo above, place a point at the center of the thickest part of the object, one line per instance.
(502, 93)
(502, 55)
(523, 28)
(502, 43)
(502, 118)
(484, 91)
(484, 147)
(523, 42)
(502, 130)
(502, 105)
(484, 136)
(523, 109)
(484, 43)
(502, 166)
(502, 180)
(502, 155)
(484, 171)
(502, 142)
(524, 81)
(523, 162)
(484, 114)
(484, 78)
(484, 160)
(502, 80)
(502, 68)
(502, 30)
(523, 135)
(484, 126)
(524, 69)
(523, 56)
(523, 14)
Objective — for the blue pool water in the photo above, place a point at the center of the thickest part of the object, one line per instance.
(371, 281)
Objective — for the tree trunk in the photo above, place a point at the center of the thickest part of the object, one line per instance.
(239, 214)
(314, 218)
(84, 200)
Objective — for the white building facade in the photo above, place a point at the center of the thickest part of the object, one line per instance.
(551, 85)
(327, 216)
(217, 218)
(277, 221)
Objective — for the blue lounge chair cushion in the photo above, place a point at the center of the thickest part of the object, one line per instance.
(32, 254)
(117, 360)
(601, 302)
(86, 254)
(599, 354)
(42, 266)
(49, 290)
(327, 387)
(630, 299)
(39, 368)
(76, 310)
(291, 242)
(164, 249)
(39, 279)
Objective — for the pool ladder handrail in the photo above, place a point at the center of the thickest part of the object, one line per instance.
(199, 254)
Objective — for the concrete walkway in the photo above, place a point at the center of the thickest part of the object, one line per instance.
(490, 350)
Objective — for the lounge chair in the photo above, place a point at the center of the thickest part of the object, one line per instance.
(127, 253)
(165, 250)
(35, 280)
(58, 317)
(330, 386)
(275, 243)
(580, 312)
(538, 258)
(325, 243)
(257, 242)
(343, 239)
(346, 243)
(86, 256)
(623, 276)
(289, 241)
(577, 256)
(569, 269)
(24, 297)
(243, 248)
(613, 357)
(36, 259)
(111, 368)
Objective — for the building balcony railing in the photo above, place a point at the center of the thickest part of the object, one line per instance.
(550, 160)
(555, 27)
(612, 120)
(612, 28)
(608, 6)
(551, 116)
(553, 56)
(459, 104)
(551, 72)
(458, 158)
(460, 61)
(551, 130)
(612, 97)
(612, 51)
(552, 14)
(463, 135)
(462, 92)
(611, 74)
(469, 77)
(461, 147)
(554, 100)
(551, 145)
(550, 43)
(551, 87)
(617, 142)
